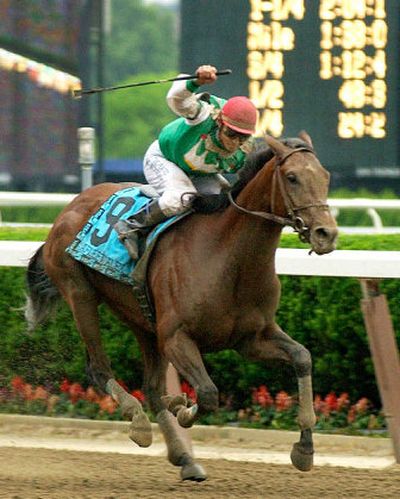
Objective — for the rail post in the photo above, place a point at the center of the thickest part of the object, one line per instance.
(385, 355)
(86, 139)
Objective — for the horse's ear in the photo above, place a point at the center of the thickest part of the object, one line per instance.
(304, 136)
(276, 145)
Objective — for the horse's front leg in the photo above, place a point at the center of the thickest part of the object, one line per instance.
(179, 447)
(273, 343)
(184, 354)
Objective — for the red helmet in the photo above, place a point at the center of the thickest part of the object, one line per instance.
(240, 114)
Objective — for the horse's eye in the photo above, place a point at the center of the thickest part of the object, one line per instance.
(291, 178)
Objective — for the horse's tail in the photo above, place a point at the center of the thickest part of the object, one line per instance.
(42, 297)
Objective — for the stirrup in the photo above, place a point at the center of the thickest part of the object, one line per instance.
(131, 243)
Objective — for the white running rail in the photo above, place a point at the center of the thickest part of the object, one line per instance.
(34, 199)
(9, 198)
(339, 263)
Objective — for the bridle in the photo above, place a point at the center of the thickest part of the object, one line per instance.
(292, 219)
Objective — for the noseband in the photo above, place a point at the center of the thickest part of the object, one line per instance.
(292, 219)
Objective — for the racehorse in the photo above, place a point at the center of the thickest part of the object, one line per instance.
(213, 284)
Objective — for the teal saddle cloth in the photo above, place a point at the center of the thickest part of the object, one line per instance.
(97, 245)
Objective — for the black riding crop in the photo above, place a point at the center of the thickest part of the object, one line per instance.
(77, 94)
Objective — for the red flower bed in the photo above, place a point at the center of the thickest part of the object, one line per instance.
(71, 399)
(265, 411)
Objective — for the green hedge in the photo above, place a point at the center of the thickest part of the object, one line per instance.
(322, 313)
(32, 214)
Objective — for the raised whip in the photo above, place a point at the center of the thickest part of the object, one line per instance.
(77, 94)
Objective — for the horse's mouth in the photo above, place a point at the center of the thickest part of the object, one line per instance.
(318, 248)
(322, 251)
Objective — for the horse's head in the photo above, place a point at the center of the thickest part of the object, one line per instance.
(300, 191)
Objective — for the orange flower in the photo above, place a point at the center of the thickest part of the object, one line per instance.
(65, 385)
(28, 391)
(343, 401)
(331, 402)
(18, 384)
(261, 396)
(75, 392)
(91, 395)
(283, 401)
(351, 415)
(40, 394)
(107, 404)
(362, 405)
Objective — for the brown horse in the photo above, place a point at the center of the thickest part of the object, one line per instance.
(213, 284)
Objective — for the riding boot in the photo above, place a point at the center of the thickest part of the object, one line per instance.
(145, 218)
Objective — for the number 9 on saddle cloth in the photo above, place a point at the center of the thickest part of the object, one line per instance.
(98, 245)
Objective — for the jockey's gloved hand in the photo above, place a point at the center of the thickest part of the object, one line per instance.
(210, 203)
(206, 74)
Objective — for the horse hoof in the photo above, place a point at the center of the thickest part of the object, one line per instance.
(140, 430)
(301, 458)
(187, 416)
(174, 402)
(193, 472)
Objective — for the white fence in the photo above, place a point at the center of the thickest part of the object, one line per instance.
(339, 263)
(34, 199)
(369, 205)
(17, 253)
(11, 198)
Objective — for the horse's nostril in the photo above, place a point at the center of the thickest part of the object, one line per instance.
(324, 233)
(321, 233)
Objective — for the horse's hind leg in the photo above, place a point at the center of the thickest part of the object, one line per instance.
(273, 343)
(179, 450)
(84, 305)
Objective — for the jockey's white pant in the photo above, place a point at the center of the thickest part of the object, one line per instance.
(173, 185)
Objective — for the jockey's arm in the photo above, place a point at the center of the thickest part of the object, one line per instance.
(182, 98)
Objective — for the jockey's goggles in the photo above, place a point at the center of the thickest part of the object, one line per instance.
(233, 134)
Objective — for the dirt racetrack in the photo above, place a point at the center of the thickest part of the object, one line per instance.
(58, 474)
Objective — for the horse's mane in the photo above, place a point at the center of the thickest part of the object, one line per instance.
(254, 162)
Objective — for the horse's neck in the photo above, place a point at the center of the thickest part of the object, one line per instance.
(255, 237)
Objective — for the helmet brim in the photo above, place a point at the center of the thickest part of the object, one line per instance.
(246, 131)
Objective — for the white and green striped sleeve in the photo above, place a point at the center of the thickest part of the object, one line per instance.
(182, 100)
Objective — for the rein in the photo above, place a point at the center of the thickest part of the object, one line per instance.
(292, 220)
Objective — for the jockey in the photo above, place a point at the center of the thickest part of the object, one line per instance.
(212, 136)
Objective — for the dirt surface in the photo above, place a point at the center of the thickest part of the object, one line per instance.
(49, 458)
(42, 473)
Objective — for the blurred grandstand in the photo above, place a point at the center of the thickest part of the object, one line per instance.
(40, 43)
(46, 49)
